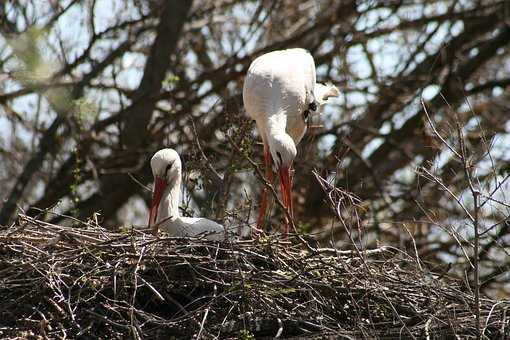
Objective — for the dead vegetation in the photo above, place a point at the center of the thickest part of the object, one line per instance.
(87, 282)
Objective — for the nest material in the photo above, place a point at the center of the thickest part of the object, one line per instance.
(61, 282)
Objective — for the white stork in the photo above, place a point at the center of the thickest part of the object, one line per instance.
(164, 212)
(279, 91)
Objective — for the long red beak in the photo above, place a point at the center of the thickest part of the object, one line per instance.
(286, 188)
(159, 188)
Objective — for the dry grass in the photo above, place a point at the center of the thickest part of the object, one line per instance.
(87, 282)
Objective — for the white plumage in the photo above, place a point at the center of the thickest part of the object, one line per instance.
(164, 213)
(278, 88)
(279, 92)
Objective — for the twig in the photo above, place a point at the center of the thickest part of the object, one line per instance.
(138, 182)
(436, 133)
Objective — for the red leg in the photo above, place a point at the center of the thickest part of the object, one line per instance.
(263, 199)
(291, 206)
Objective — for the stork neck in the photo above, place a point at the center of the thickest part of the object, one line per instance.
(277, 123)
(169, 205)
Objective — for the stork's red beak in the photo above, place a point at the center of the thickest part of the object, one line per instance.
(286, 188)
(159, 188)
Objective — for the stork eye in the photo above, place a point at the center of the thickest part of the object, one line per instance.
(313, 106)
(168, 167)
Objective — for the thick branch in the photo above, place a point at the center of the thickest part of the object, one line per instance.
(139, 114)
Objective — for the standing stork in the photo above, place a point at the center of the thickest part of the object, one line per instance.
(279, 92)
(164, 211)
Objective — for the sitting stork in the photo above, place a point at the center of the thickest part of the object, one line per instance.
(164, 211)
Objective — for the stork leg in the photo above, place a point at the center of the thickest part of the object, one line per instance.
(263, 198)
(291, 206)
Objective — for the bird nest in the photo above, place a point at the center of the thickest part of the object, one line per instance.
(88, 282)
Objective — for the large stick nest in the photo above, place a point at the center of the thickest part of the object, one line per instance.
(88, 282)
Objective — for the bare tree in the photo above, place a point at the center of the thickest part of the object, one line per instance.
(91, 89)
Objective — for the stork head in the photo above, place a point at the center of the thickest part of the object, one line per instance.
(283, 151)
(166, 169)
